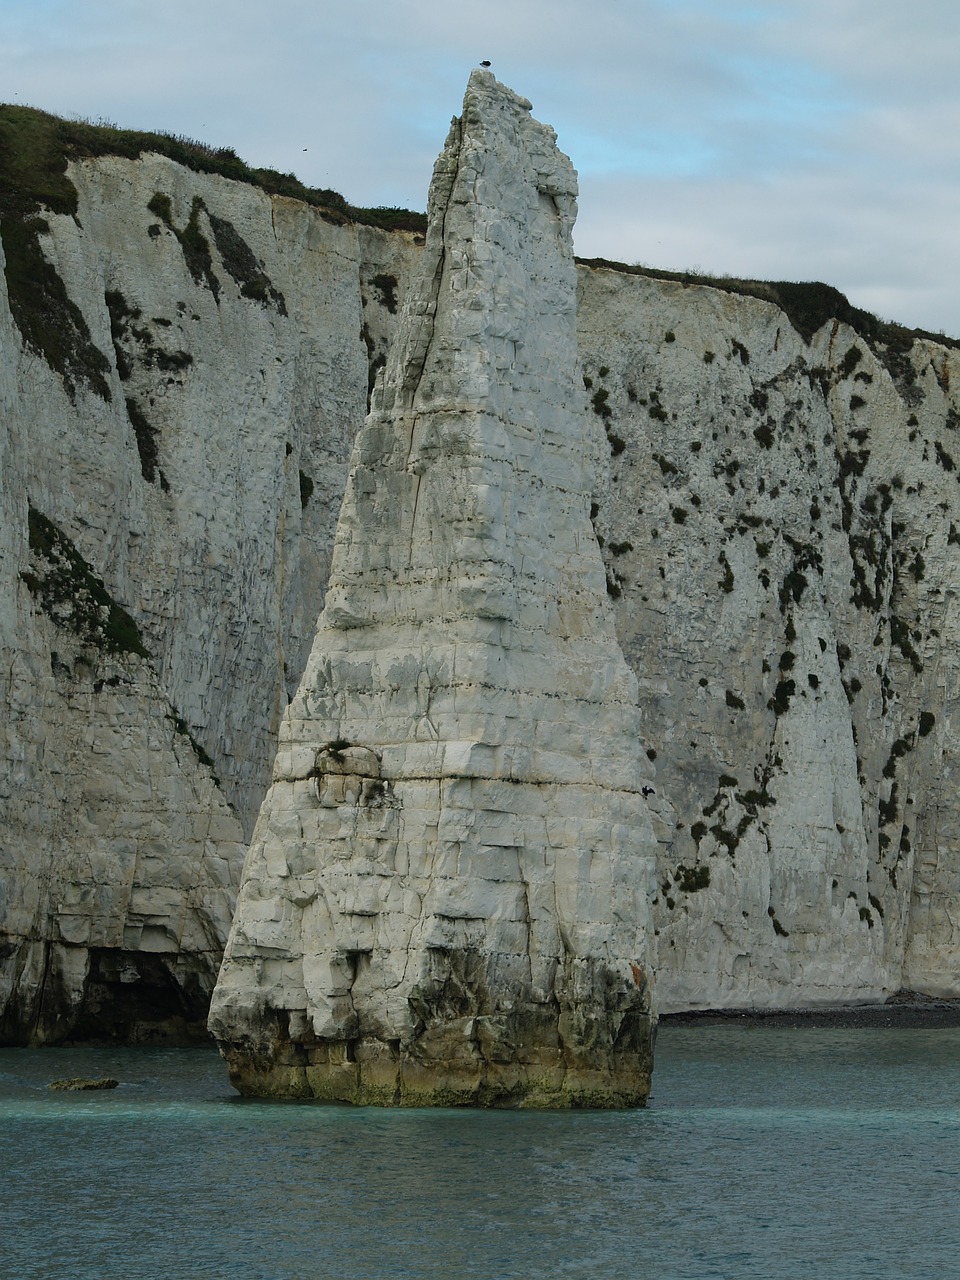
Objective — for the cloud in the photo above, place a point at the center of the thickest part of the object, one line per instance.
(780, 138)
(887, 256)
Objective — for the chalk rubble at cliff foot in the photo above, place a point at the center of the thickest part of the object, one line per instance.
(446, 899)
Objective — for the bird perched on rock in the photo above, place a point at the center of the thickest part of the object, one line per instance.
(485, 63)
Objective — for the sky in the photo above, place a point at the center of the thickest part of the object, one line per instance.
(773, 139)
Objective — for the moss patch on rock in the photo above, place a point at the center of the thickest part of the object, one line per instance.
(72, 595)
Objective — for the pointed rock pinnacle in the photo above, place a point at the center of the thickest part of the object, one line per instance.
(446, 896)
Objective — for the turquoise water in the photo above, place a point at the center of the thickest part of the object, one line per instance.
(764, 1153)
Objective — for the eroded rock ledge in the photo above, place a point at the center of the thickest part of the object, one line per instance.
(446, 900)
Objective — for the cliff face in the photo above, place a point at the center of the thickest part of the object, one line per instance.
(447, 897)
(780, 530)
(781, 527)
(175, 432)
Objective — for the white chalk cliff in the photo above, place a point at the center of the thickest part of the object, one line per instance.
(781, 527)
(780, 514)
(173, 449)
(447, 896)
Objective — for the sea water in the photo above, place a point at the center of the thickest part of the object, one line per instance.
(764, 1153)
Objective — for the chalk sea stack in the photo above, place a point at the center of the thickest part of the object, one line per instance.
(446, 899)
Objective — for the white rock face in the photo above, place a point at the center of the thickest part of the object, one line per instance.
(447, 894)
(119, 868)
(781, 523)
(221, 560)
(198, 476)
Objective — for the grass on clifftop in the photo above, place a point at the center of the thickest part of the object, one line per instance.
(35, 148)
(807, 305)
(32, 178)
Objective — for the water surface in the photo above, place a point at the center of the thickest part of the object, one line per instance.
(765, 1153)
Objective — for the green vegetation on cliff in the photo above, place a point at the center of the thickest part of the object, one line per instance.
(35, 149)
(36, 146)
(71, 594)
(808, 306)
(32, 179)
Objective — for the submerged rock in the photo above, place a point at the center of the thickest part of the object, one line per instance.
(446, 899)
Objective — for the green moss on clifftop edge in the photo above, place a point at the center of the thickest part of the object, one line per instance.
(808, 305)
(32, 178)
(35, 148)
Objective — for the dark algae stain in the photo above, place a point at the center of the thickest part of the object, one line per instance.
(73, 595)
(35, 149)
(33, 180)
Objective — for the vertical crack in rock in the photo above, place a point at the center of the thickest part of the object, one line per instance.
(446, 899)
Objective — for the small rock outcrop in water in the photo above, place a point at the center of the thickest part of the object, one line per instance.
(446, 897)
(80, 1084)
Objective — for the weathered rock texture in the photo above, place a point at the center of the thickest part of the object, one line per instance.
(447, 895)
(179, 396)
(768, 490)
(781, 528)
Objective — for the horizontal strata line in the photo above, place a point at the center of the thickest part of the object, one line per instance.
(465, 685)
(387, 461)
(482, 777)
